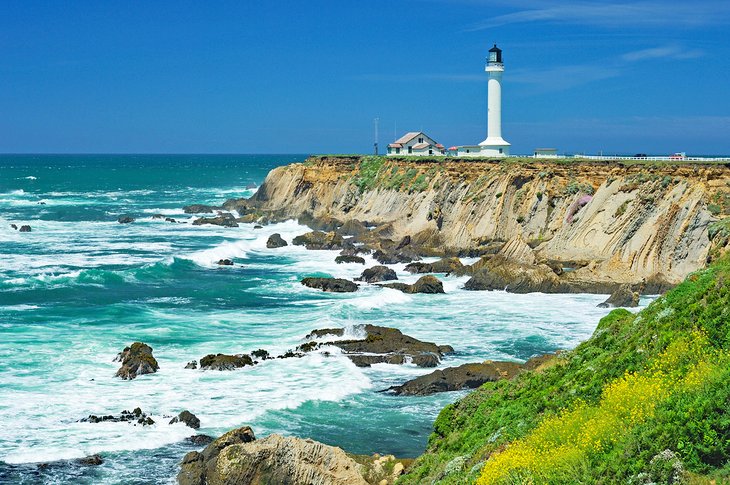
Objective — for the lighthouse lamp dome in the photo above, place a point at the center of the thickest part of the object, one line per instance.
(495, 55)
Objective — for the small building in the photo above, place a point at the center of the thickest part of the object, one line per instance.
(415, 143)
(545, 153)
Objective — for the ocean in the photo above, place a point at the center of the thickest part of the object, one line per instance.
(80, 287)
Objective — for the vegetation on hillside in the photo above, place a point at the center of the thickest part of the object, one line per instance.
(645, 400)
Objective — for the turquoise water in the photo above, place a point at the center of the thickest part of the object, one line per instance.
(80, 286)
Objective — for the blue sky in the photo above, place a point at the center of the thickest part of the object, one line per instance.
(310, 76)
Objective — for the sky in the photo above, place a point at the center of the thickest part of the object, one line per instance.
(133, 76)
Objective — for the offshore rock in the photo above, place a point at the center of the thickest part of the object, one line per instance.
(136, 360)
(333, 285)
(200, 209)
(188, 418)
(25, 228)
(349, 259)
(396, 256)
(276, 241)
(223, 219)
(136, 417)
(224, 362)
(120, 220)
(319, 240)
(242, 460)
(425, 284)
(445, 265)
(467, 376)
(378, 273)
(225, 262)
(624, 296)
(385, 345)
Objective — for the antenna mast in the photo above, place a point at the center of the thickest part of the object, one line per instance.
(375, 122)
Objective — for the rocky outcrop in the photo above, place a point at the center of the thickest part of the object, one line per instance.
(120, 220)
(201, 209)
(276, 241)
(237, 458)
(352, 227)
(319, 240)
(446, 265)
(223, 219)
(333, 285)
(136, 360)
(378, 273)
(500, 273)
(225, 362)
(384, 345)
(25, 228)
(225, 262)
(135, 417)
(425, 284)
(624, 296)
(189, 419)
(631, 222)
(349, 259)
(467, 376)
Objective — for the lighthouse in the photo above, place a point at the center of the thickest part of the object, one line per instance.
(494, 145)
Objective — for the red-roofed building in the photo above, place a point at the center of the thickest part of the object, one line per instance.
(415, 143)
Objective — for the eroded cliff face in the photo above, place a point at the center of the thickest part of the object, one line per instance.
(618, 223)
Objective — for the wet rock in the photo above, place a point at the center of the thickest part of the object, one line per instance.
(501, 273)
(355, 250)
(195, 465)
(200, 439)
(223, 219)
(158, 216)
(290, 354)
(200, 209)
(261, 354)
(624, 296)
(274, 459)
(308, 346)
(276, 241)
(251, 186)
(425, 284)
(467, 376)
(352, 227)
(135, 417)
(225, 262)
(91, 460)
(349, 259)
(258, 226)
(326, 224)
(136, 360)
(445, 265)
(188, 418)
(385, 345)
(334, 285)
(193, 364)
(318, 240)
(14, 226)
(378, 273)
(170, 219)
(395, 257)
(224, 362)
(25, 228)
(323, 332)
(121, 220)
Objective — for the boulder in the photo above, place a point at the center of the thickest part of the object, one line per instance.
(120, 220)
(195, 465)
(352, 227)
(200, 439)
(188, 418)
(170, 219)
(624, 296)
(276, 241)
(225, 262)
(385, 345)
(405, 255)
(377, 273)
(261, 354)
(319, 240)
(258, 226)
(223, 219)
(501, 273)
(136, 360)
(333, 285)
(445, 265)
(467, 376)
(243, 460)
(91, 460)
(25, 228)
(425, 284)
(193, 364)
(349, 259)
(200, 209)
(14, 226)
(224, 362)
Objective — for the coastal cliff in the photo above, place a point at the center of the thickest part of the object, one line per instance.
(611, 222)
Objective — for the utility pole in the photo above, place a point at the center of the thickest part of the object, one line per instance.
(375, 121)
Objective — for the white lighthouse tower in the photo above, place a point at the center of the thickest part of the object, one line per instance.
(494, 145)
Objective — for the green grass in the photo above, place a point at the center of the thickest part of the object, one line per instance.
(685, 335)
